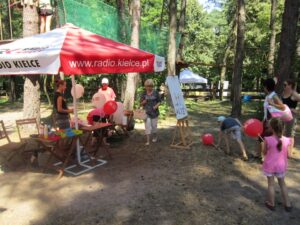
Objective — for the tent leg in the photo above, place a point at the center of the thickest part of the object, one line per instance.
(86, 167)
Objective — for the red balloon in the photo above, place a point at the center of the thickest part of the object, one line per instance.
(208, 139)
(110, 107)
(253, 127)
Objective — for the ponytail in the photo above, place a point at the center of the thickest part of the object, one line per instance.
(277, 127)
(279, 144)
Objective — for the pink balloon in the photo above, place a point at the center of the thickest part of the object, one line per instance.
(253, 127)
(79, 91)
(208, 139)
(98, 100)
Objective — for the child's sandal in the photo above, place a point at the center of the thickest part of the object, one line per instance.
(288, 208)
(269, 206)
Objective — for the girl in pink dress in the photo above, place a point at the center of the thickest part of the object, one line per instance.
(276, 151)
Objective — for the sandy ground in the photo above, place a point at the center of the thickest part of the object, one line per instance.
(153, 185)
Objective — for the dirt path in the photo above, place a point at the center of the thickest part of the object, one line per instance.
(153, 185)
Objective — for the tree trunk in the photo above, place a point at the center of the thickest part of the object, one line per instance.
(1, 28)
(296, 64)
(272, 47)
(230, 42)
(287, 41)
(12, 90)
(121, 14)
(46, 90)
(31, 107)
(181, 29)
(172, 37)
(132, 78)
(162, 14)
(238, 61)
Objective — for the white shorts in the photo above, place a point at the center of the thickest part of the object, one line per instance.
(278, 175)
(150, 125)
(235, 132)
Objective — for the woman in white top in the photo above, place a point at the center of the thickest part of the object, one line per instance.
(271, 99)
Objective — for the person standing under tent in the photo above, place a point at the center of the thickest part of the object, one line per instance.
(61, 110)
(150, 100)
(46, 10)
(290, 97)
(108, 92)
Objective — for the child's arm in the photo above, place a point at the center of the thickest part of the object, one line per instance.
(220, 136)
(239, 122)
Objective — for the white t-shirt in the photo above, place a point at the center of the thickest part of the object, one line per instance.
(266, 103)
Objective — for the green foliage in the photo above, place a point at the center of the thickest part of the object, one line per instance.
(16, 22)
(206, 32)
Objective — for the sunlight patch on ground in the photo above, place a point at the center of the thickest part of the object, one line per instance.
(36, 197)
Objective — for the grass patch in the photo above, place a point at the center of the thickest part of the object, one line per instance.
(3, 100)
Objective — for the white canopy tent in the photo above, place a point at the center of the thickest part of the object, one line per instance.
(188, 77)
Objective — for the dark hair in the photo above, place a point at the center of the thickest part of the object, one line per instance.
(59, 82)
(277, 126)
(291, 82)
(269, 84)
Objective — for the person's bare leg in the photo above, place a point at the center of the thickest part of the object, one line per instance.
(243, 150)
(42, 24)
(48, 23)
(105, 141)
(284, 192)
(147, 139)
(271, 191)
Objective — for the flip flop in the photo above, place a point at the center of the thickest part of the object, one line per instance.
(269, 206)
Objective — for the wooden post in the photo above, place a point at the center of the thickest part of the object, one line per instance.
(182, 135)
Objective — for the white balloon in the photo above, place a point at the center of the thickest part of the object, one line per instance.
(79, 91)
(98, 100)
(118, 115)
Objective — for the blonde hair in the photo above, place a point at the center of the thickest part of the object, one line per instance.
(149, 82)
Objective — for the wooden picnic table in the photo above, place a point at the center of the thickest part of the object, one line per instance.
(59, 148)
(92, 148)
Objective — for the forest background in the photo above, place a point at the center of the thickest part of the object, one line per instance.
(207, 42)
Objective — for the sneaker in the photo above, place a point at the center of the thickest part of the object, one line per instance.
(154, 139)
(147, 143)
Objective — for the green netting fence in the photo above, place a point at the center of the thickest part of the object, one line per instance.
(103, 19)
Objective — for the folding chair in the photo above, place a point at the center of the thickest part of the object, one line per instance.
(26, 128)
(10, 149)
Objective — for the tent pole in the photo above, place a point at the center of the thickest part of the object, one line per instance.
(75, 102)
(76, 119)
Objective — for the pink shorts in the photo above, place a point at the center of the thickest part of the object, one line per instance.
(278, 175)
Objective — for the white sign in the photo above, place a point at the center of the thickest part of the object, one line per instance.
(177, 97)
